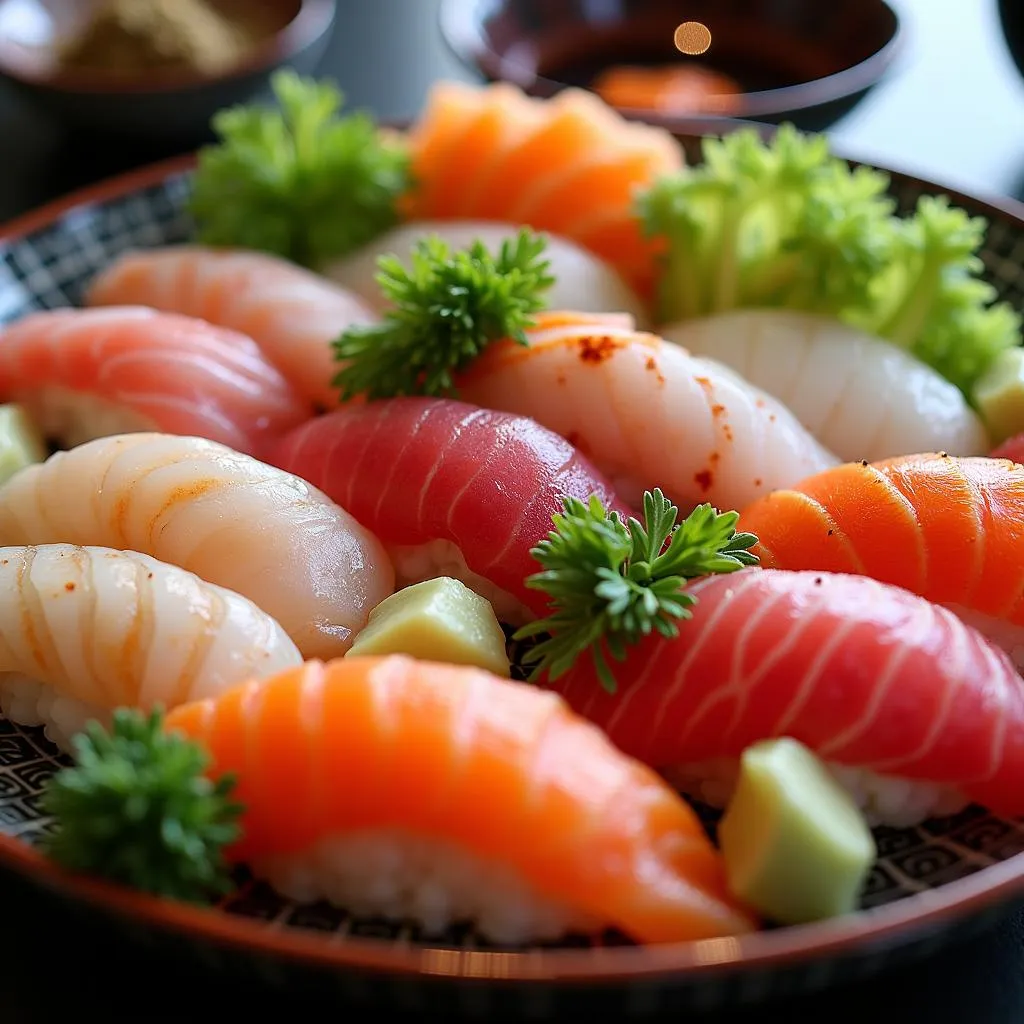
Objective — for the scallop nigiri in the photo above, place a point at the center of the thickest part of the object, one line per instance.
(84, 630)
(949, 529)
(570, 165)
(860, 396)
(450, 488)
(582, 281)
(478, 799)
(87, 373)
(916, 712)
(645, 412)
(291, 313)
(228, 518)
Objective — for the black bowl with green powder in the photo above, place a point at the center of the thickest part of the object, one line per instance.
(155, 71)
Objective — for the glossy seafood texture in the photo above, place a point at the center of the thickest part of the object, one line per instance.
(918, 712)
(291, 313)
(450, 488)
(477, 798)
(646, 413)
(84, 630)
(582, 281)
(860, 396)
(83, 374)
(949, 529)
(570, 165)
(226, 517)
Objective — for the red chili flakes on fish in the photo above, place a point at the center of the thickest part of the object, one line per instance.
(758, 482)
(717, 409)
(727, 432)
(704, 479)
(704, 383)
(597, 349)
(69, 586)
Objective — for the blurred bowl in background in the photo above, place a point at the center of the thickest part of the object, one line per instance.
(169, 106)
(805, 61)
(1011, 17)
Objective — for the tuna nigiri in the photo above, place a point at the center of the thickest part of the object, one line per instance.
(479, 799)
(291, 313)
(82, 374)
(915, 711)
(450, 488)
(582, 281)
(86, 630)
(949, 529)
(570, 165)
(645, 412)
(1012, 449)
(228, 518)
(860, 396)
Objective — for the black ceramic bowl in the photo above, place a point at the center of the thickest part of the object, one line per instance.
(804, 61)
(173, 109)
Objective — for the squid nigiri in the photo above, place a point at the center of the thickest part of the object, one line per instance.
(450, 488)
(949, 529)
(860, 396)
(479, 799)
(228, 518)
(570, 165)
(582, 281)
(915, 712)
(645, 412)
(84, 630)
(291, 313)
(87, 373)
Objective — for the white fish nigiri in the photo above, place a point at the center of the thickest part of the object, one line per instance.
(647, 413)
(227, 517)
(582, 280)
(85, 630)
(860, 396)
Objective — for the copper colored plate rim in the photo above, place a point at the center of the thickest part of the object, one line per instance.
(463, 37)
(311, 21)
(889, 924)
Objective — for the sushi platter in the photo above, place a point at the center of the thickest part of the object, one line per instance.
(461, 580)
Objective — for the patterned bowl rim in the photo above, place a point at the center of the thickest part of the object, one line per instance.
(880, 927)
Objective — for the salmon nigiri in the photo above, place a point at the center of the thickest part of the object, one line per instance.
(478, 799)
(915, 712)
(448, 487)
(950, 529)
(88, 373)
(291, 313)
(570, 165)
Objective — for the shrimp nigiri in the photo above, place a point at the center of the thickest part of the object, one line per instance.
(451, 489)
(571, 165)
(860, 396)
(582, 281)
(87, 373)
(478, 799)
(291, 313)
(228, 518)
(949, 529)
(645, 412)
(86, 630)
(915, 711)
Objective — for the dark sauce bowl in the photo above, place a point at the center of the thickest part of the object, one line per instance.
(171, 109)
(808, 62)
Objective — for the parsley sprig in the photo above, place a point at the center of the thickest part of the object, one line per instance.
(613, 583)
(446, 308)
(136, 809)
